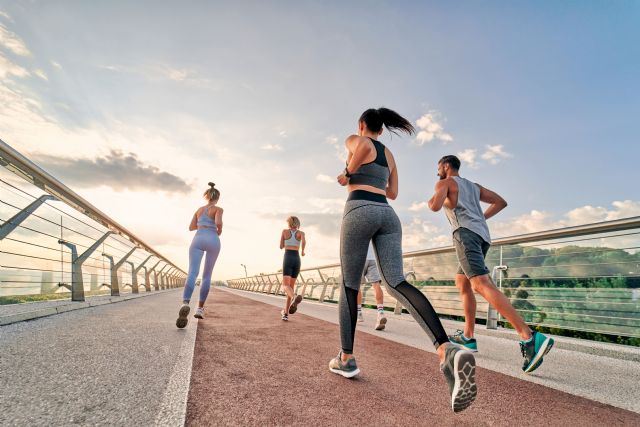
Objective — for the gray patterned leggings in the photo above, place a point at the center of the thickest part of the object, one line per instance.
(364, 221)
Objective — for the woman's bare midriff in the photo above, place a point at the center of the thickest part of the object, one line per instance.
(291, 248)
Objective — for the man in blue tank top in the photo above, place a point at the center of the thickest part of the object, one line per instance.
(461, 199)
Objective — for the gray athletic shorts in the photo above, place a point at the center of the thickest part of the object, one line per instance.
(371, 273)
(471, 250)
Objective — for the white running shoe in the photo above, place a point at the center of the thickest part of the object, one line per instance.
(199, 313)
(360, 317)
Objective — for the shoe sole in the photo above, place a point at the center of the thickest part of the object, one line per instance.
(465, 389)
(294, 305)
(349, 374)
(381, 324)
(183, 318)
(537, 360)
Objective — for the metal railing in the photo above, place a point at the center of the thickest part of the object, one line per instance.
(54, 241)
(584, 278)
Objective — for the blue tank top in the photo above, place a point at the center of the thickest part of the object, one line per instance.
(292, 241)
(204, 220)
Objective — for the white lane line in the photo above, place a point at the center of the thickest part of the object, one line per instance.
(173, 407)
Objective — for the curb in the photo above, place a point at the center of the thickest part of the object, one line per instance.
(72, 306)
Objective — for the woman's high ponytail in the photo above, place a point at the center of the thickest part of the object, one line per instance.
(376, 118)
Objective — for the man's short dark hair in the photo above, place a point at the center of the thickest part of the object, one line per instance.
(451, 160)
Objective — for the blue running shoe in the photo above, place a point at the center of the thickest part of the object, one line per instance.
(468, 343)
(534, 350)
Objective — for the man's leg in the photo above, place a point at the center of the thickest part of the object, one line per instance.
(468, 304)
(484, 286)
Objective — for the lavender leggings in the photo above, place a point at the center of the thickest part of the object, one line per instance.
(206, 241)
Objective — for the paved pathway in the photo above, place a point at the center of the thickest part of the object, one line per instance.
(126, 364)
(251, 368)
(117, 365)
(611, 380)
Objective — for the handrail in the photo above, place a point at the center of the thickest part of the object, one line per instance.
(557, 233)
(12, 160)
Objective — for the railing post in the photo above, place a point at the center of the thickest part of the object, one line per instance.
(324, 288)
(492, 313)
(163, 283)
(277, 291)
(77, 285)
(170, 277)
(134, 278)
(271, 285)
(155, 276)
(300, 282)
(13, 222)
(115, 283)
(147, 285)
(325, 285)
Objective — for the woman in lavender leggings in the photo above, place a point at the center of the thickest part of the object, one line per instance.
(208, 222)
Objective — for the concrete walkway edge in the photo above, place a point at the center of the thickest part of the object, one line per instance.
(37, 313)
(173, 407)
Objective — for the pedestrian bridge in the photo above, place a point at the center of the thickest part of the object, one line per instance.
(88, 337)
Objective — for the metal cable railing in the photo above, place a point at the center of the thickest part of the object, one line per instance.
(584, 278)
(54, 241)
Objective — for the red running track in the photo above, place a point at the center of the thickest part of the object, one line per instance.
(251, 368)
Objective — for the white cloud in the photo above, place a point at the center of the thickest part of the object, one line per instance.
(541, 221)
(325, 178)
(8, 68)
(327, 205)
(494, 153)
(11, 41)
(41, 74)
(176, 74)
(272, 147)
(6, 16)
(165, 72)
(430, 128)
(421, 234)
(418, 206)
(339, 149)
(56, 64)
(523, 224)
(468, 156)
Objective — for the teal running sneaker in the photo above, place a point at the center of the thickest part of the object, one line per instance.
(459, 369)
(534, 350)
(468, 343)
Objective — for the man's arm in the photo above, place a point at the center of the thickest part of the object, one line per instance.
(441, 192)
(496, 203)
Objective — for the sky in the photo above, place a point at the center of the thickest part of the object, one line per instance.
(138, 105)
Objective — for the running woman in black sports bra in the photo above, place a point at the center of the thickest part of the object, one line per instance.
(371, 176)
